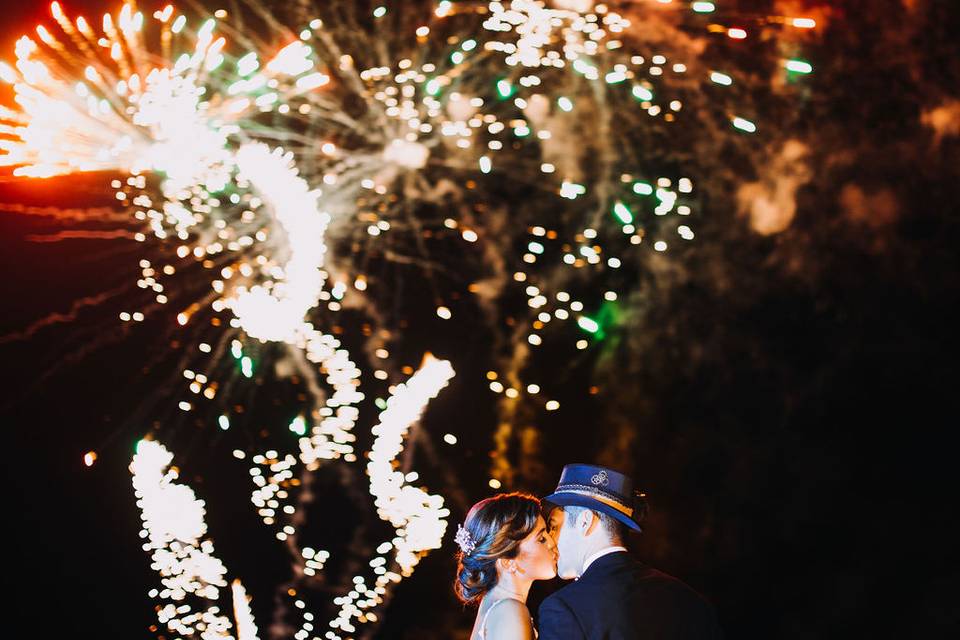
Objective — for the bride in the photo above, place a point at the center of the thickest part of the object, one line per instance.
(504, 547)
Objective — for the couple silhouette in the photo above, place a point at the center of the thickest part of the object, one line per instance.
(510, 540)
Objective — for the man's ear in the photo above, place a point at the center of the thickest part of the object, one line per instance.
(586, 521)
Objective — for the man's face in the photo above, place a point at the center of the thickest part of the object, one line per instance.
(568, 544)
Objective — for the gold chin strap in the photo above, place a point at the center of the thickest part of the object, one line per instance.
(627, 511)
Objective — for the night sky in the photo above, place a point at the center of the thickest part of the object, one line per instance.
(781, 388)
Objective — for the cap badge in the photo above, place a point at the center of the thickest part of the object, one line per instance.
(600, 478)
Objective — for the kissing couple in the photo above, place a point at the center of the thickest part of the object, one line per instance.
(512, 539)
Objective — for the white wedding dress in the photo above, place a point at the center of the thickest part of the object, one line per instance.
(483, 625)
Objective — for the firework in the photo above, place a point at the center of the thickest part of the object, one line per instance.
(174, 530)
(418, 517)
(280, 166)
(246, 625)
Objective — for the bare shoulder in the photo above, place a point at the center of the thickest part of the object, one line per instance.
(510, 619)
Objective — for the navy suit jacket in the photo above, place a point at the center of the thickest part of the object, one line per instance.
(619, 598)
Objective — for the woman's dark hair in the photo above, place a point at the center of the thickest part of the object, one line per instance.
(496, 526)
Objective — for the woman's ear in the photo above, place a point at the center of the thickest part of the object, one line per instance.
(508, 565)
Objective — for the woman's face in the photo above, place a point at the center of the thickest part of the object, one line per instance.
(537, 557)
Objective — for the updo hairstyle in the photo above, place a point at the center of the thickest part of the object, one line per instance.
(497, 526)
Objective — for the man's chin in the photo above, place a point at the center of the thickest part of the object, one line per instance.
(566, 574)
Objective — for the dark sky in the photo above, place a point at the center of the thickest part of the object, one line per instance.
(782, 396)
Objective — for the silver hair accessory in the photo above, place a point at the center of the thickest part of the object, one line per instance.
(464, 540)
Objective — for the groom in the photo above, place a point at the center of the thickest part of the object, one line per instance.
(614, 596)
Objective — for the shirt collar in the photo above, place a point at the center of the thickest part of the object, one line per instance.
(599, 554)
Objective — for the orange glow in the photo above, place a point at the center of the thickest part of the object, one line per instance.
(7, 74)
(44, 34)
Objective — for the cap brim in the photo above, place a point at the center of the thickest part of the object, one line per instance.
(577, 500)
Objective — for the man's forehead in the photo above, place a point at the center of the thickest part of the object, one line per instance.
(556, 514)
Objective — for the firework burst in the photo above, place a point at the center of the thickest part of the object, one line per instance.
(546, 143)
